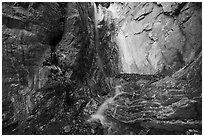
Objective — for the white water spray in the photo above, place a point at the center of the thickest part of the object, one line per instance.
(99, 115)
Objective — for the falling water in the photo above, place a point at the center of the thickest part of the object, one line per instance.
(99, 115)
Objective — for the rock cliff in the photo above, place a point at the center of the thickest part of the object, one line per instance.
(102, 68)
(153, 37)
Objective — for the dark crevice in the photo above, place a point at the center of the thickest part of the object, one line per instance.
(178, 9)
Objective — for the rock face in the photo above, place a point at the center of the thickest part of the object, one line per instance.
(170, 104)
(144, 105)
(46, 46)
(29, 31)
(76, 49)
(150, 39)
(154, 37)
(102, 68)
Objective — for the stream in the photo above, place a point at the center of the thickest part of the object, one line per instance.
(99, 115)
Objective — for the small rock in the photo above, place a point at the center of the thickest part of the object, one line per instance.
(41, 128)
(67, 128)
(53, 120)
(93, 131)
(131, 133)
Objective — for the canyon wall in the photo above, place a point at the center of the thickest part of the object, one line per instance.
(48, 51)
(138, 65)
(29, 31)
(154, 58)
(153, 37)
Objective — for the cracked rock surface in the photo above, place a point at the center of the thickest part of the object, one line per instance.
(118, 68)
(155, 37)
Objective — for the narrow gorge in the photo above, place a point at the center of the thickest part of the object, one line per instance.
(101, 68)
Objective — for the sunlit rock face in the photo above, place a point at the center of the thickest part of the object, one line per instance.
(154, 37)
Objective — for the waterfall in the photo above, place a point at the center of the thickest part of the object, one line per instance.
(99, 115)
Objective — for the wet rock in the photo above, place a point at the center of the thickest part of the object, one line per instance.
(67, 128)
(163, 106)
(143, 9)
(93, 131)
(27, 36)
(130, 68)
(151, 41)
(193, 132)
(171, 7)
(76, 48)
(191, 17)
(173, 126)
